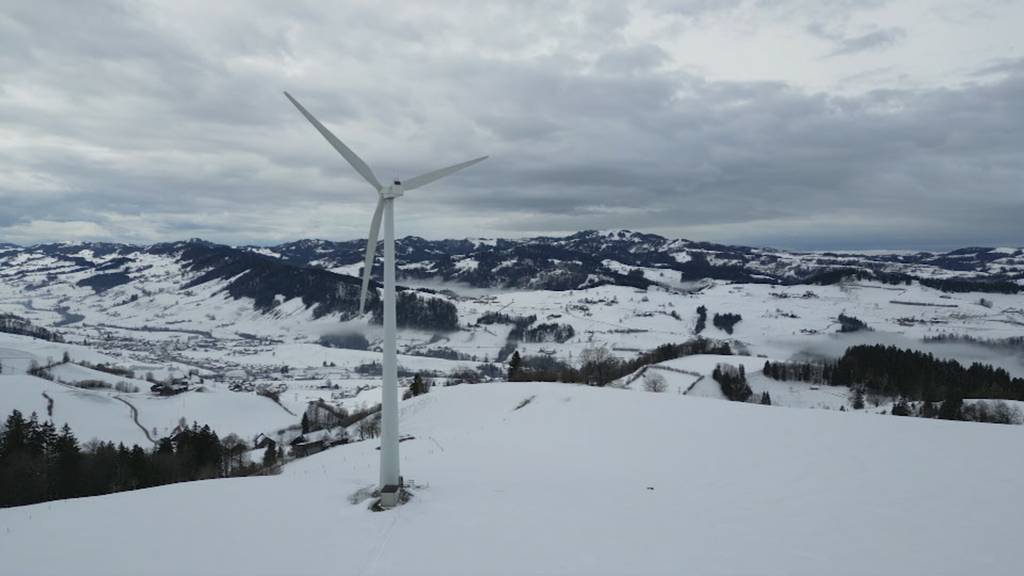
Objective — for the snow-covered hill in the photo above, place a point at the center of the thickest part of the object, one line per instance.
(584, 259)
(241, 320)
(630, 258)
(518, 478)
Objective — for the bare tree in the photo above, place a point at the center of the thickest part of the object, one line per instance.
(654, 382)
(597, 365)
(234, 450)
(369, 427)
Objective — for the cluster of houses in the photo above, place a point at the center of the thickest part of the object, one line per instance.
(177, 385)
(307, 443)
(169, 388)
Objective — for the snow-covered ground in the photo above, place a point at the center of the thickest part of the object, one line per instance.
(168, 331)
(691, 375)
(91, 415)
(577, 481)
(226, 412)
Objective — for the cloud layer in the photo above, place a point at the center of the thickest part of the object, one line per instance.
(153, 121)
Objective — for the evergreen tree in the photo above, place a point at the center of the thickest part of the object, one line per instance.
(733, 382)
(726, 321)
(515, 367)
(766, 398)
(34, 442)
(419, 385)
(952, 407)
(901, 408)
(14, 436)
(67, 464)
(702, 319)
(858, 399)
(270, 457)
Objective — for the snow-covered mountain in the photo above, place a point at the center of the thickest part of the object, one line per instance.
(629, 258)
(322, 275)
(255, 337)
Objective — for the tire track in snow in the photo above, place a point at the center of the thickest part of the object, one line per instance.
(135, 418)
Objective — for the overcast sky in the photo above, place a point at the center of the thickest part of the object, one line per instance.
(820, 124)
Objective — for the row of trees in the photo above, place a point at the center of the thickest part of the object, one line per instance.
(551, 332)
(13, 324)
(896, 372)
(726, 321)
(424, 312)
(733, 381)
(598, 366)
(812, 372)
(320, 414)
(39, 462)
(851, 323)
(992, 411)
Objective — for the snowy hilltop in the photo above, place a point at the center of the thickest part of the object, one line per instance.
(525, 478)
(606, 402)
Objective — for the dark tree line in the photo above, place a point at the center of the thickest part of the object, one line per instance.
(1011, 343)
(413, 311)
(726, 321)
(320, 414)
(969, 284)
(812, 372)
(443, 352)
(499, 318)
(598, 366)
(733, 381)
(702, 319)
(540, 369)
(900, 373)
(914, 375)
(12, 324)
(349, 340)
(851, 323)
(40, 463)
(522, 332)
(549, 333)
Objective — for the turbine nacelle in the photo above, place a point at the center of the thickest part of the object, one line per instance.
(395, 190)
(390, 192)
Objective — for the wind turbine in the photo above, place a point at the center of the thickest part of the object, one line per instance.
(390, 479)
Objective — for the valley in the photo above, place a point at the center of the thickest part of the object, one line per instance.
(204, 315)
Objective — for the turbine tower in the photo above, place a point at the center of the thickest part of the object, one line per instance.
(390, 479)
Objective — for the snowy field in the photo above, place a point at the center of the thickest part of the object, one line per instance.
(226, 412)
(169, 332)
(91, 415)
(577, 481)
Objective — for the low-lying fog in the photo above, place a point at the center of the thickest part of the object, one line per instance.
(833, 346)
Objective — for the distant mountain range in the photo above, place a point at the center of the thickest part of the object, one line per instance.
(325, 272)
(624, 257)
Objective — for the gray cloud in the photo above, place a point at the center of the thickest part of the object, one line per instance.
(879, 39)
(164, 121)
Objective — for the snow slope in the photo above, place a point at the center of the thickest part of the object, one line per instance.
(245, 414)
(90, 414)
(578, 481)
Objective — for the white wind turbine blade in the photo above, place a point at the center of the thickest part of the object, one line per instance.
(347, 153)
(371, 252)
(424, 179)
